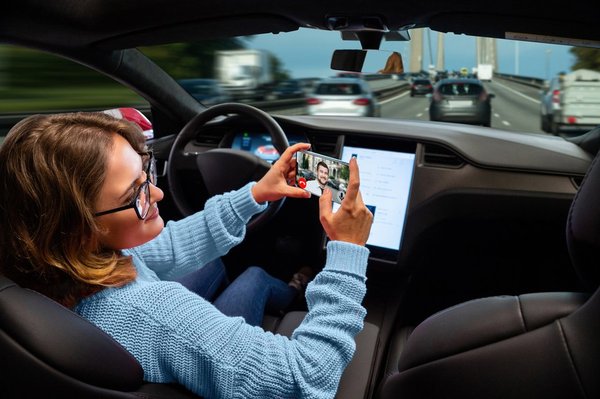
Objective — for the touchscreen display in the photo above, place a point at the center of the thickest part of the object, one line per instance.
(385, 181)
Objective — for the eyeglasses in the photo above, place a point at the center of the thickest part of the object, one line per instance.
(141, 199)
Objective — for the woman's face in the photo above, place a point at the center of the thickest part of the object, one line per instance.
(124, 176)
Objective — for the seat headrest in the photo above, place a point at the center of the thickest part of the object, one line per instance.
(583, 227)
(58, 337)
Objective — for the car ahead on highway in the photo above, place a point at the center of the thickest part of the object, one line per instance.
(483, 254)
(571, 102)
(288, 89)
(343, 97)
(420, 87)
(207, 91)
(461, 100)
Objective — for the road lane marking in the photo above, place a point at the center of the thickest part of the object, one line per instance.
(519, 93)
(395, 97)
(506, 123)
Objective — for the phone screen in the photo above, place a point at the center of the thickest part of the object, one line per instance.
(316, 172)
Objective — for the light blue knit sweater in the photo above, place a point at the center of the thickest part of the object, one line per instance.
(179, 337)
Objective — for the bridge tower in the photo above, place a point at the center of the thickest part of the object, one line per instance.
(440, 56)
(486, 51)
(416, 50)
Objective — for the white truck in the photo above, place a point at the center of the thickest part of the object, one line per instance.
(485, 72)
(571, 102)
(245, 74)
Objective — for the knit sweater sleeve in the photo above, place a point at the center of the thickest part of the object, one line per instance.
(187, 244)
(179, 337)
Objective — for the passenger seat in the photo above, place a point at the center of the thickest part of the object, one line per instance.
(357, 377)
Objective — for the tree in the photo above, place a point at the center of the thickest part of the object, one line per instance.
(197, 60)
(190, 60)
(586, 58)
(344, 174)
(304, 162)
(24, 68)
(279, 74)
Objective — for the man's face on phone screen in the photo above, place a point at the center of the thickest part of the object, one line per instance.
(322, 175)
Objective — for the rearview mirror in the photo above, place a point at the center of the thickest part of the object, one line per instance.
(367, 61)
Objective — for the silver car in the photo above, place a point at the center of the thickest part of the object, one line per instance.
(343, 96)
(461, 100)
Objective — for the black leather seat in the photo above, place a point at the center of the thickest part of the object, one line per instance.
(47, 351)
(544, 345)
(357, 378)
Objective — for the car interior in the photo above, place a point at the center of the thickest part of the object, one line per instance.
(484, 283)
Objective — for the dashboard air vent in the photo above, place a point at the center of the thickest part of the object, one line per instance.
(435, 155)
(323, 143)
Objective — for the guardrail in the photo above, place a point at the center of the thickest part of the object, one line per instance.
(524, 80)
(392, 90)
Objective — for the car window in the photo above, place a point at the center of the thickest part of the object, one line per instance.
(338, 89)
(253, 69)
(289, 85)
(34, 81)
(461, 89)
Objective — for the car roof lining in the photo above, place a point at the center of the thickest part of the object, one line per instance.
(116, 24)
(201, 30)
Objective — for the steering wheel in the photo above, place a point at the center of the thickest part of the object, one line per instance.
(222, 169)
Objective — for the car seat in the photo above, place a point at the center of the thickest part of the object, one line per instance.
(49, 351)
(541, 345)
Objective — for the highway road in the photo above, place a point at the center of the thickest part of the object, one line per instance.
(515, 107)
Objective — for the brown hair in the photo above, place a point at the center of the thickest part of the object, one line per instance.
(393, 64)
(323, 164)
(52, 168)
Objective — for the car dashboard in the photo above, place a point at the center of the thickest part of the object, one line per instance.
(461, 210)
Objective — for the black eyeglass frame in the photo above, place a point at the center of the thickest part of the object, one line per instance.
(151, 177)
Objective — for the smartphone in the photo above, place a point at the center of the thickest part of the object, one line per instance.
(316, 172)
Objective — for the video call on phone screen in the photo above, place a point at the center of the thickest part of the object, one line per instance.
(316, 173)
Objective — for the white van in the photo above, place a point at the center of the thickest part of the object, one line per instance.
(571, 102)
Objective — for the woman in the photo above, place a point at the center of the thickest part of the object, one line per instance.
(80, 223)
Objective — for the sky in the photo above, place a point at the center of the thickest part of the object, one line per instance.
(307, 53)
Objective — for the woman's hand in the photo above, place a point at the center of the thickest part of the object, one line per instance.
(280, 180)
(352, 221)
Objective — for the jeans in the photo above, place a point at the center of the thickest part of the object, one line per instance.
(251, 294)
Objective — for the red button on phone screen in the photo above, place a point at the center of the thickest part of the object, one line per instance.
(302, 182)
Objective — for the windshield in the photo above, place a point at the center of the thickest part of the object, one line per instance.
(515, 73)
(255, 69)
